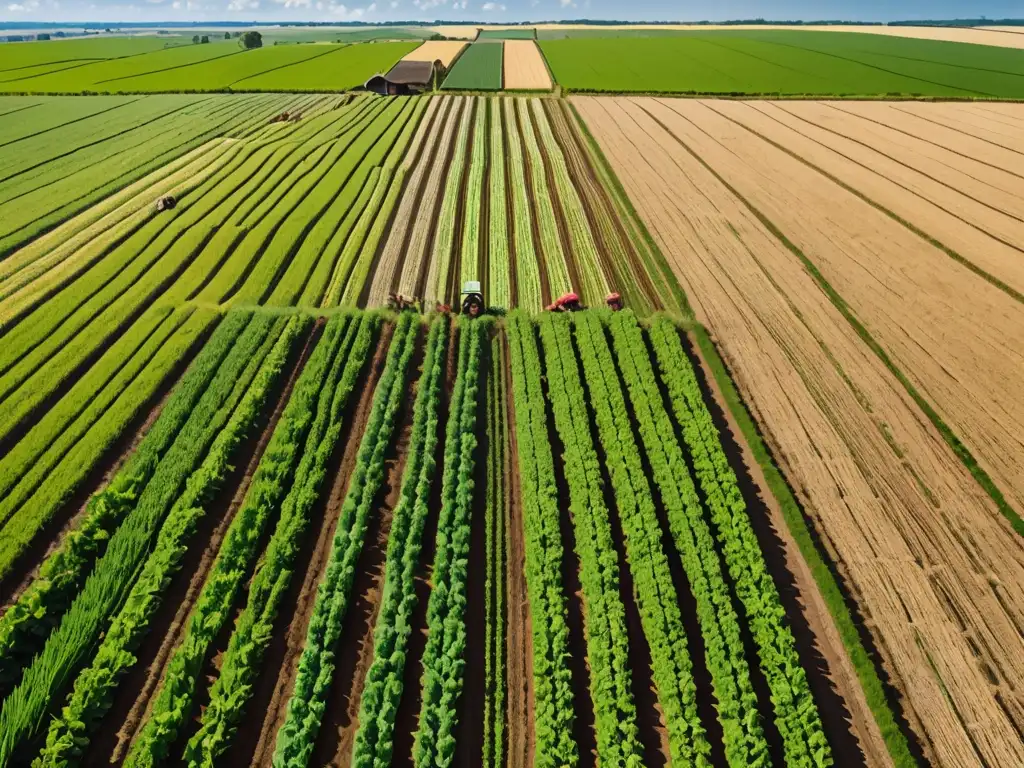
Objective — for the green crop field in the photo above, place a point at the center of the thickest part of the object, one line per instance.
(22, 55)
(477, 69)
(527, 33)
(343, 68)
(786, 62)
(216, 66)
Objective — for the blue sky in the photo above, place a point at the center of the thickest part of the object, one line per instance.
(497, 10)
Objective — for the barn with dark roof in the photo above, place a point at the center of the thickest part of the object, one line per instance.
(406, 77)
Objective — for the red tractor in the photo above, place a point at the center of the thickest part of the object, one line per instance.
(614, 302)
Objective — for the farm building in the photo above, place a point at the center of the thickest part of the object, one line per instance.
(406, 77)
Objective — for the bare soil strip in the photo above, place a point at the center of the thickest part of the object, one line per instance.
(935, 568)
(273, 688)
(520, 632)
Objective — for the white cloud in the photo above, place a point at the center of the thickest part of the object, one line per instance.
(295, 3)
(457, 6)
(493, 6)
(394, 3)
(28, 5)
(426, 5)
(567, 3)
(241, 5)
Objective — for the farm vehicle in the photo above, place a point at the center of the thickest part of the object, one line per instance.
(166, 203)
(570, 302)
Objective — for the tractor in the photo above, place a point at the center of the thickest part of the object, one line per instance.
(472, 299)
(165, 203)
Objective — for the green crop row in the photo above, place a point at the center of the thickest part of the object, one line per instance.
(306, 705)
(594, 284)
(528, 285)
(474, 197)
(544, 208)
(70, 645)
(443, 657)
(499, 290)
(657, 600)
(62, 574)
(56, 457)
(254, 627)
(607, 641)
(373, 223)
(795, 712)
(317, 255)
(94, 688)
(322, 390)
(553, 696)
(498, 472)
(738, 708)
(444, 236)
(382, 692)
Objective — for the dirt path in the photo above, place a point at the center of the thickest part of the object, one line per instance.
(520, 631)
(933, 566)
(133, 696)
(273, 688)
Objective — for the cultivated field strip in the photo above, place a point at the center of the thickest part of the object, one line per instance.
(934, 567)
(971, 123)
(57, 180)
(501, 192)
(69, 391)
(958, 338)
(524, 67)
(990, 240)
(445, 51)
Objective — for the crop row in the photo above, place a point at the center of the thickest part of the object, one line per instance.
(657, 599)
(499, 290)
(107, 586)
(527, 272)
(313, 680)
(607, 642)
(554, 714)
(474, 197)
(92, 693)
(62, 574)
(443, 251)
(738, 711)
(795, 712)
(443, 658)
(303, 433)
(378, 706)
(498, 472)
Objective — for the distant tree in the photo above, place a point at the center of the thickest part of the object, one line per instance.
(42, 36)
(227, 35)
(204, 39)
(236, 34)
(195, 39)
(252, 39)
(15, 38)
(60, 34)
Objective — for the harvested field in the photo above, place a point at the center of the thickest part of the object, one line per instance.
(444, 51)
(935, 569)
(524, 67)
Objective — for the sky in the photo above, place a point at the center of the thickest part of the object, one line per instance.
(499, 10)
